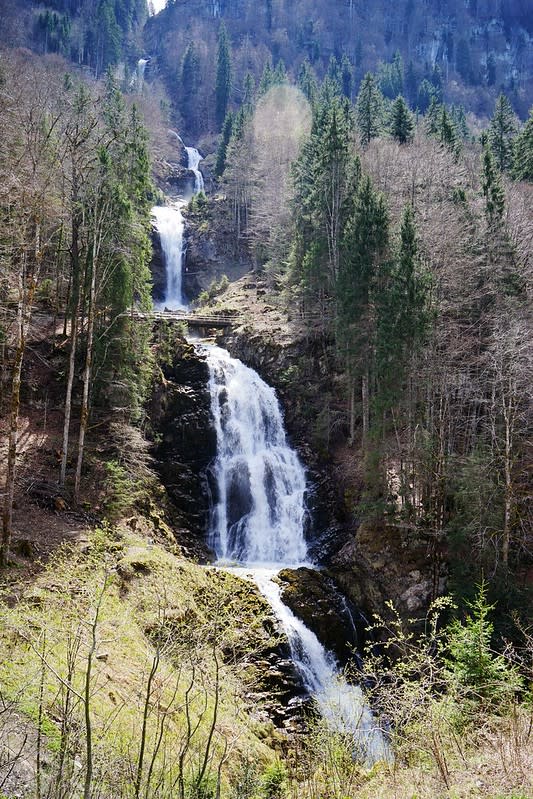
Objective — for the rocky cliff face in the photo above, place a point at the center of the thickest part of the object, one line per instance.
(185, 441)
(212, 251)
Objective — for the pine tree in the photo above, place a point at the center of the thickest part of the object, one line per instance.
(446, 132)
(223, 76)
(364, 246)
(267, 79)
(227, 130)
(502, 130)
(325, 176)
(484, 675)
(190, 82)
(307, 81)
(523, 152)
(433, 115)
(402, 301)
(458, 116)
(492, 189)
(280, 73)
(401, 121)
(436, 82)
(346, 77)
(369, 109)
(334, 71)
(248, 91)
(425, 96)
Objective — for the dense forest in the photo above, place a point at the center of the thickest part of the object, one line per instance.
(370, 172)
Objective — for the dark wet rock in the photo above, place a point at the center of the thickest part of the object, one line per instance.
(315, 598)
(158, 268)
(185, 440)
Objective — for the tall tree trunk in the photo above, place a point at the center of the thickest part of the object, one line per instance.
(98, 235)
(84, 417)
(75, 299)
(508, 454)
(352, 412)
(23, 322)
(366, 407)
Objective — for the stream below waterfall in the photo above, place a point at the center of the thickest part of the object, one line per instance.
(258, 527)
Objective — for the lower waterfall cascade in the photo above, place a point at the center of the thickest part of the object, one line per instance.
(258, 527)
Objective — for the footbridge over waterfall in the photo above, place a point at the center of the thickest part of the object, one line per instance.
(194, 320)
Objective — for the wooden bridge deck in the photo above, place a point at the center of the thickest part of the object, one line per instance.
(191, 319)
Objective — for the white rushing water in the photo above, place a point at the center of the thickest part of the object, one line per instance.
(259, 513)
(171, 226)
(194, 159)
(258, 526)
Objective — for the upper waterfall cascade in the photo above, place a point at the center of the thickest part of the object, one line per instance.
(258, 520)
(194, 159)
(170, 225)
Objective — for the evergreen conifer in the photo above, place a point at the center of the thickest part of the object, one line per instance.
(369, 109)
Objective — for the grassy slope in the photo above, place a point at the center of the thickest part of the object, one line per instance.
(151, 605)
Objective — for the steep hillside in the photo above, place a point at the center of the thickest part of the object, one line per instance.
(464, 52)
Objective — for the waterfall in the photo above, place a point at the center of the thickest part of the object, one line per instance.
(259, 513)
(194, 160)
(170, 225)
(141, 68)
(258, 520)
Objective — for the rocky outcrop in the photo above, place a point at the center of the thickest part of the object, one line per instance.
(384, 561)
(171, 170)
(211, 248)
(315, 598)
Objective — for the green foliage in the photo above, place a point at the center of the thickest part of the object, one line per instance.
(425, 95)
(223, 79)
(446, 132)
(325, 176)
(369, 109)
(274, 781)
(307, 81)
(216, 288)
(401, 124)
(391, 77)
(227, 130)
(501, 132)
(364, 245)
(523, 152)
(402, 304)
(492, 189)
(483, 675)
